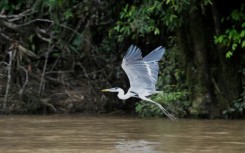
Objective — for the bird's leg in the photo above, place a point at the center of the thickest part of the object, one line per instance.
(160, 106)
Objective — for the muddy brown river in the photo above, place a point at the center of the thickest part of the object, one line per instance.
(87, 134)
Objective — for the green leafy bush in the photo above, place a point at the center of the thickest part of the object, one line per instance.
(174, 101)
(234, 36)
(237, 109)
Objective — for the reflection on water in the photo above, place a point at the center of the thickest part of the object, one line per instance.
(86, 134)
(136, 146)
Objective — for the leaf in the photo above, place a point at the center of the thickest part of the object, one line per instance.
(120, 38)
(122, 15)
(126, 8)
(234, 45)
(228, 54)
(117, 28)
(240, 109)
(243, 43)
(219, 39)
(224, 112)
(232, 109)
(242, 34)
(68, 14)
(235, 15)
(151, 9)
(206, 2)
(168, 1)
(243, 24)
(156, 31)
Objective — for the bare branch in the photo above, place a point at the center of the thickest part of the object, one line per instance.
(27, 78)
(41, 37)
(45, 101)
(15, 26)
(35, 20)
(5, 63)
(45, 65)
(9, 24)
(16, 17)
(9, 79)
(43, 74)
(6, 37)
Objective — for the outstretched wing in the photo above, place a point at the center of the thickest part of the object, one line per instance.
(142, 72)
(133, 54)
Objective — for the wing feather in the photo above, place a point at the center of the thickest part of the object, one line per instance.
(133, 53)
(142, 72)
(155, 55)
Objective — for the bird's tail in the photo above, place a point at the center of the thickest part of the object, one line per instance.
(160, 106)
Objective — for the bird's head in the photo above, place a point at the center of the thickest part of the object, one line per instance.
(115, 89)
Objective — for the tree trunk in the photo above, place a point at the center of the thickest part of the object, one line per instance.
(225, 79)
(192, 41)
(213, 80)
(202, 96)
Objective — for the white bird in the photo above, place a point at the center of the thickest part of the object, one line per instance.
(142, 74)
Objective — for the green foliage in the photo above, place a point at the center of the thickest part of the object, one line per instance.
(174, 12)
(236, 110)
(148, 17)
(137, 21)
(234, 36)
(68, 14)
(4, 4)
(7, 5)
(176, 102)
(54, 3)
(233, 39)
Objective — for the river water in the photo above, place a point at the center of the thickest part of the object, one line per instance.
(87, 134)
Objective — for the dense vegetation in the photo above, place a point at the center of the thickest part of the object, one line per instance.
(57, 55)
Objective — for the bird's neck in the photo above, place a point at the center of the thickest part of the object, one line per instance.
(121, 94)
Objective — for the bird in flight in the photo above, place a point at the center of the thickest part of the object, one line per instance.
(143, 74)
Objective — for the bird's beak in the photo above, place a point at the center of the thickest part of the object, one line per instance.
(105, 90)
